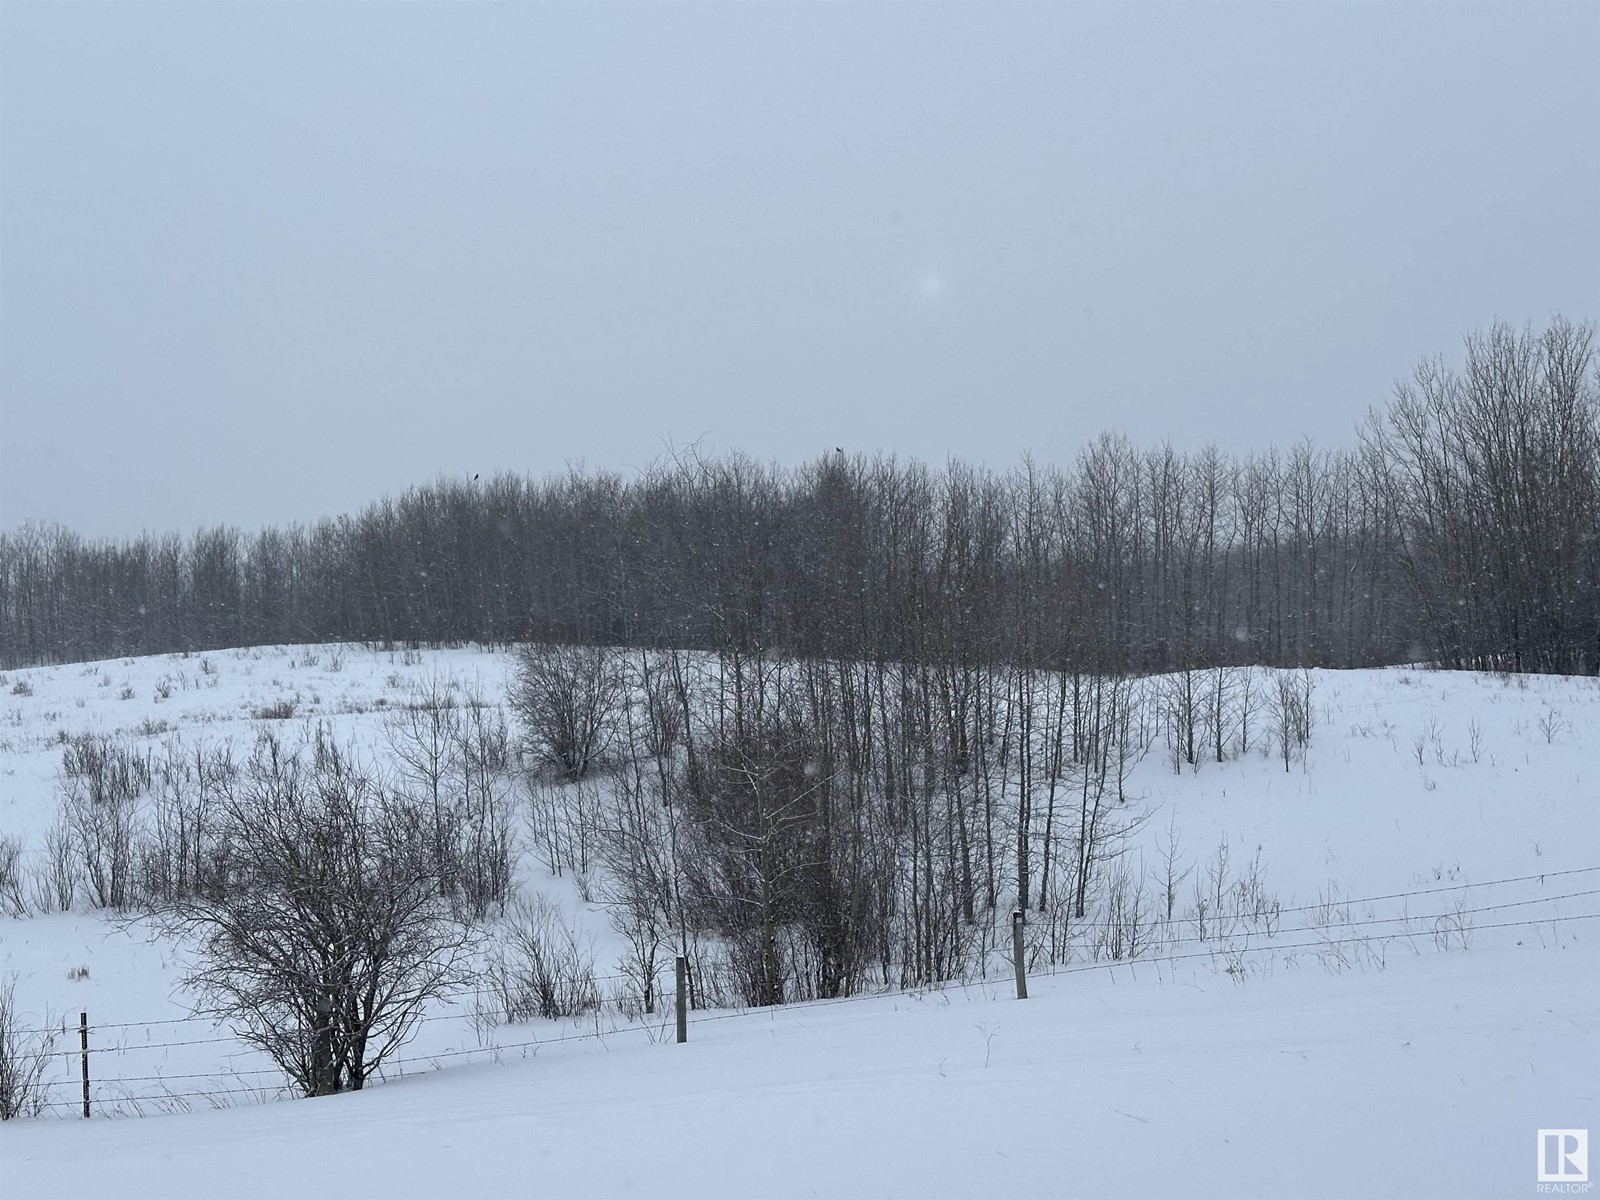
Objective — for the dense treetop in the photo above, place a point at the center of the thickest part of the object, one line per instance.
(1463, 527)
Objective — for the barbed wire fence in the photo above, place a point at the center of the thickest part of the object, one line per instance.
(130, 1094)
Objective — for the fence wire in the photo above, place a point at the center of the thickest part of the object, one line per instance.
(1221, 945)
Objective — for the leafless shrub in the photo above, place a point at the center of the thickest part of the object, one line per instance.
(178, 852)
(1552, 724)
(280, 710)
(537, 968)
(454, 758)
(566, 698)
(1170, 877)
(1292, 714)
(487, 733)
(424, 738)
(331, 935)
(485, 845)
(566, 822)
(100, 784)
(24, 1057)
(54, 880)
(1226, 905)
(713, 980)
(12, 900)
(1454, 929)
(663, 712)
(1259, 909)
(639, 888)
(1126, 928)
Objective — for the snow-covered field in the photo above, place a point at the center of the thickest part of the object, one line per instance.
(1430, 1001)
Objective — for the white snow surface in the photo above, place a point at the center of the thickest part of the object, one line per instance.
(1358, 1061)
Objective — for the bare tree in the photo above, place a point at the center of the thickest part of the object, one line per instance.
(1497, 472)
(483, 855)
(329, 934)
(178, 842)
(750, 872)
(567, 698)
(1109, 754)
(1291, 711)
(101, 783)
(12, 901)
(1221, 714)
(1170, 878)
(641, 885)
(55, 877)
(424, 737)
(1185, 711)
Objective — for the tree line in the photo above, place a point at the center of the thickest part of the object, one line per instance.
(1461, 528)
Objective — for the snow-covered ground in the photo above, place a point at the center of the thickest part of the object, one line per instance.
(1414, 1048)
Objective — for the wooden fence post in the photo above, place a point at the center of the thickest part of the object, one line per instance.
(683, 999)
(1017, 953)
(83, 1048)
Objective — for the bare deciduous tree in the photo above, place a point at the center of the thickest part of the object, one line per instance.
(567, 698)
(1292, 713)
(12, 901)
(328, 933)
(101, 783)
(1497, 472)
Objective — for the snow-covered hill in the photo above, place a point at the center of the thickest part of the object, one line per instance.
(1431, 997)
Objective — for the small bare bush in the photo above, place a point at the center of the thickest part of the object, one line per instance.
(178, 852)
(1130, 915)
(24, 1056)
(1292, 714)
(11, 898)
(454, 759)
(567, 698)
(485, 846)
(101, 782)
(663, 715)
(1552, 725)
(537, 969)
(566, 822)
(53, 883)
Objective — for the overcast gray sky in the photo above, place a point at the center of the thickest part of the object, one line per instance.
(266, 263)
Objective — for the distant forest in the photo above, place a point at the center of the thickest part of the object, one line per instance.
(1463, 528)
